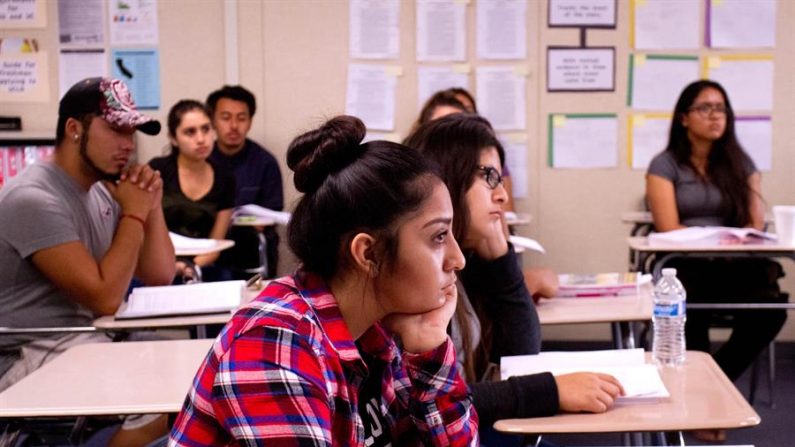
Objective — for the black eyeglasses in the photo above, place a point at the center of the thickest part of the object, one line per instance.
(706, 109)
(493, 177)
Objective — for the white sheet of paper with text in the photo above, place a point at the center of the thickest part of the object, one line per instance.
(374, 29)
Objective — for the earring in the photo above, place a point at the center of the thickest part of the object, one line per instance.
(76, 137)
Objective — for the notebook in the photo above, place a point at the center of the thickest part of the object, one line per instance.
(709, 236)
(188, 299)
(641, 381)
(572, 285)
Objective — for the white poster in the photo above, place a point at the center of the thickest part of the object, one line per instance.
(433, 79)
(657, 80)
(80, 23)
(501, 96)
(76, 65)
(648, 136)
(370, 95)
(582, 13)
(133, 22)
(581, 69)
(24, 77)
(441, 30)
(742, 23)
(16, 14)
(502, 29)
(755, 134)
(667, 24)
(515, 146)
(747, 79)
(374, 29)
(583, 141)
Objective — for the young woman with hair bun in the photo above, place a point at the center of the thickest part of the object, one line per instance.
(352, 349)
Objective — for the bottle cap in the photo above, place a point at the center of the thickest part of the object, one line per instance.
(669, 272)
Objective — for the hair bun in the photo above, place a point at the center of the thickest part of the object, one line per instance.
(316, 154)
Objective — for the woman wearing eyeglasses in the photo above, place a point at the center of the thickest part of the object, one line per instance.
(705, 178)
(495, 315)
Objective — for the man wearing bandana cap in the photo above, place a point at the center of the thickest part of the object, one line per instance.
(74, 230)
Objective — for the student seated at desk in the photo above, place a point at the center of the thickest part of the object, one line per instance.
(704, 177)
(74, 230)
(314, 359)
(496, 316)
(198, 198)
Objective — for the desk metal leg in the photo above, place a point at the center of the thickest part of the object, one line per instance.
(618, 339)
(263, 254)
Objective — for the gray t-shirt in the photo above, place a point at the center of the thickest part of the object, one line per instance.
(699, 202)
(41, 208)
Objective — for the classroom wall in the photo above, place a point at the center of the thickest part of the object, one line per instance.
(294, 55)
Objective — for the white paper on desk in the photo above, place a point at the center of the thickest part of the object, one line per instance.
(502, 29)
(641, 381)
(371, 95)
(747, 79)
(441, 30)
(185, 243)
(742, 23)
(708, 236)
(501, 96)
(432, 79)
(207, 297)
(374, 30)
(657, 79)
(667, 24)
(527, 243)
(280, 217)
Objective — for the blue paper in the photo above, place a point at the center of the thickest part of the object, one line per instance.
(140, 70)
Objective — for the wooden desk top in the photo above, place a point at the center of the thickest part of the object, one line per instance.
(109, 378)
(641, 244)
(220, 245)
(606, 309)
(702, 397)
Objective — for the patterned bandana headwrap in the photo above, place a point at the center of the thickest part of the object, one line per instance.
(110, 100)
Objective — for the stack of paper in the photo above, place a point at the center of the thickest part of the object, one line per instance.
(251, 210)
(184, 243)
(641, 381)
(600, 284)
(709, 236)
(527, 243)
(188, 299)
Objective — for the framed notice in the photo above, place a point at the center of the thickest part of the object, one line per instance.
(582, 14)
(574, 69)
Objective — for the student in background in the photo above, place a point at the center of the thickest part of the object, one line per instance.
(75, 230)
(458, 100)
(312, 360)
(495, 316)
(197, 197)
(704, 177)
(256, 171)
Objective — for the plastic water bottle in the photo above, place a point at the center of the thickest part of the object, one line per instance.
(669, 320)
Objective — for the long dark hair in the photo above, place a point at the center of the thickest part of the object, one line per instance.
(454, 143)
(175, 115)
(727, 162)
(350, 187)
(438, 99)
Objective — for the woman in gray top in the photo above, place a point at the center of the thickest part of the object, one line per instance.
(704, 177)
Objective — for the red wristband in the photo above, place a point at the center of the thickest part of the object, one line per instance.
(134, 217)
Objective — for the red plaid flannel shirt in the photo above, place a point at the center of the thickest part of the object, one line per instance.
(285, 371)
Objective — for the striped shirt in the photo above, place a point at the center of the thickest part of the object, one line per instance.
(285, 371)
